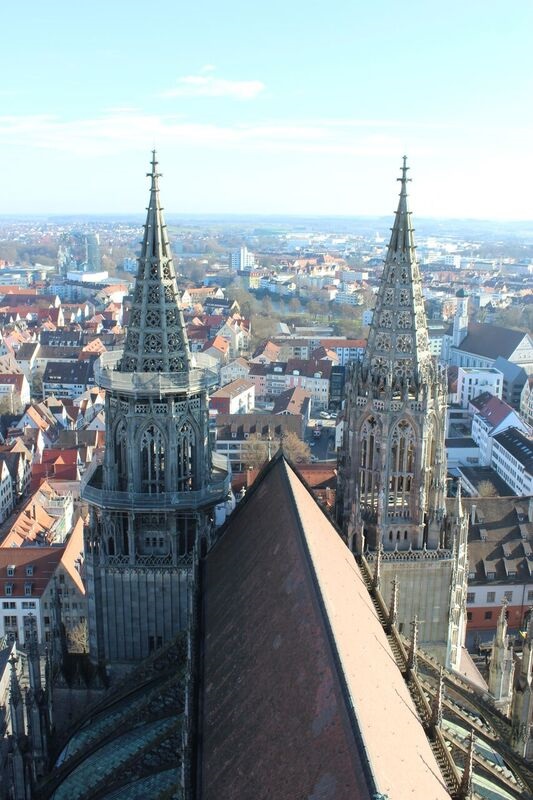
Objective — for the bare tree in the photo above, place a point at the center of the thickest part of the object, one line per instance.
(256, 450)
(486, 489)
(294, 449)
(78, 638)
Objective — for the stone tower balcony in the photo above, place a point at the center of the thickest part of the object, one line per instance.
(201, 376)
(214, 491)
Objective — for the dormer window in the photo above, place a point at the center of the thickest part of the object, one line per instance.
(28, 589)
(11, 571)
(29, 570)
(8, 588)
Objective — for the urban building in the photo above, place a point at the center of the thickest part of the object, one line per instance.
(238, 438)
(500, 564)
(237, 397)
(512, 458)
(526, 401)
(63, 379)
(514, 379)
(491, 417)
(30, 577)
(238, 368)
(242, 260)
(479, 345)
(472, 382)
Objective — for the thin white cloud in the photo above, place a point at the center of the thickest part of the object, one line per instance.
(208, 85)
(116, 130)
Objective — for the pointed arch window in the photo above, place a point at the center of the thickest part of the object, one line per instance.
(368, 465)
(401, 468)
(186, 473)
(152, 460)
(121, 456)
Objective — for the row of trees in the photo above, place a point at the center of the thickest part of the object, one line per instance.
(266, 311)
(258, 450)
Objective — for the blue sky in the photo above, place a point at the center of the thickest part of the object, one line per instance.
(278, 107)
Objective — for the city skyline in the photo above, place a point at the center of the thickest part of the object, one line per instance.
(294, 111)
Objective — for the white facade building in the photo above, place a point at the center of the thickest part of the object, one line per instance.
(512, 458)
(242, 259)
(472, 382)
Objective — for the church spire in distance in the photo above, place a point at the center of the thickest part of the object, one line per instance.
(398, 342)
(156, 340)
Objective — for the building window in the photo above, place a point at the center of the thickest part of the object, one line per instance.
(10, 570)
(488, 614)
(153, 460)
(402, 467)
(530, 596)
(491, 597)
(27, 589)
(470, 597)
(369, 477)
(469, 616)
(29, 570)
(8, 588)
(508, 596)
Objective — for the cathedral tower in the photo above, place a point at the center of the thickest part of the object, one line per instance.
(153, 497)
(392, 469)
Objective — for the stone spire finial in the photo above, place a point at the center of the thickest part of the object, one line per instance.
(15, 699)
(413, 647)
(436, 707)
(501, 627)
(14, 688)
(465, 789)
(34, 661)
(393, 605)
(156, 340)
(377, 567)
(458, 505)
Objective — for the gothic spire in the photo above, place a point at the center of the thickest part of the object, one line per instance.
(156, 340)
(398, 342)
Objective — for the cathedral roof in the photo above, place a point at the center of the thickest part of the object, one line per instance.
(299, 682)
(156, 340)
(398, 342)
(491, 341)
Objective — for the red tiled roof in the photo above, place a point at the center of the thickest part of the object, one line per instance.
(44, 561)
(492, 408)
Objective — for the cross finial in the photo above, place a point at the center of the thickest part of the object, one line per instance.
(404, 179)
(154, 162)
